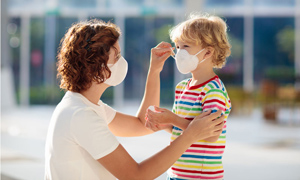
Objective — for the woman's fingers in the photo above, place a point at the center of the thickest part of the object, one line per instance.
(206, 113)
(215, 115)
(219, 120)
(162, 51)
(164, 45)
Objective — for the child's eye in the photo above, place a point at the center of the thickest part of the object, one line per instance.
(177, 47)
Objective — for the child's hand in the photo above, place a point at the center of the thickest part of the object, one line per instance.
(157, 127)
(159, 55)
(160, 116)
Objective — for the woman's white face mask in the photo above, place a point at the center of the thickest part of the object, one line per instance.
(186, 62)
(118, 72)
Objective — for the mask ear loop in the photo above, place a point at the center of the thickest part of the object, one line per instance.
(172, 54)
(202, 59)
(199, 52)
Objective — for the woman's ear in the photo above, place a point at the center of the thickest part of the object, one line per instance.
(209, 52)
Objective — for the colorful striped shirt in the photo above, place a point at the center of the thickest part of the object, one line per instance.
(203, 159)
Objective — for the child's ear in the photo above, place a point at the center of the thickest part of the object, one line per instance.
(209, 52)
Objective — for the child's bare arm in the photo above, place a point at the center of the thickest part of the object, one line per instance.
(164, 116)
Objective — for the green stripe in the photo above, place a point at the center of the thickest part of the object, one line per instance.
(211, 86)
(199, 162)
(188, 109)
(219, 91)
(222, 137)
(175, 133)
(184, 83)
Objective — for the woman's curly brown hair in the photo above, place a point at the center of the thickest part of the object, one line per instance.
(84, 52)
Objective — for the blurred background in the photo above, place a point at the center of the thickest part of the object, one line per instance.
(262, 77)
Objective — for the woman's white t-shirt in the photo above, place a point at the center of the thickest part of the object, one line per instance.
(78, 135)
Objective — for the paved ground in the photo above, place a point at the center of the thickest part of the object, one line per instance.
(255, 148)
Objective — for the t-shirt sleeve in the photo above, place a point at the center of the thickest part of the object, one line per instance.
(215, 99)
(91, 132)
(109, 112)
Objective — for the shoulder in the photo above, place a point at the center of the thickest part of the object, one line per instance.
(216, 86)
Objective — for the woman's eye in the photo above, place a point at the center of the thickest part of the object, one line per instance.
(185, 46)
(118, 57)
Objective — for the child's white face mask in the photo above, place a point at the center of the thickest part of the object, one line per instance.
(186, 62)
(118, 72)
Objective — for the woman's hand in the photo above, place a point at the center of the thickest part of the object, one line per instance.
(207, 126)
(159, 55)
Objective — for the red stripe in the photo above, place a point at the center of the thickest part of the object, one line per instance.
(207, 146)
(192, 93)
(203, 93)
(200, 85)
(194, 171)
(178, 92)
(190, 119)
(212, 101)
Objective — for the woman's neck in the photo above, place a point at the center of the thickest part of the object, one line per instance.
(94, 93)
(202, 74)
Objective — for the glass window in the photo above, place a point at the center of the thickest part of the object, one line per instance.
(78, 3)
(142, 34)
(37, 42)
(31, 4)
(14, 40)
(274, 49)
(222, 3)
(232, 72)
(272, 3)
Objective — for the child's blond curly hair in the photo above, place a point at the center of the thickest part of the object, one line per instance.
(205, 30)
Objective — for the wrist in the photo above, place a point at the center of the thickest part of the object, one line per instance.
(180, 122)
(153, 70)
(188, 137)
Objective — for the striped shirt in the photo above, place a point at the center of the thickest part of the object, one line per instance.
(203, 159)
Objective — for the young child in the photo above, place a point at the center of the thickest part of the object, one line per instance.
(202, 44)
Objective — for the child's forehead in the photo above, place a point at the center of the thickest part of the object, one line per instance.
(184, 42)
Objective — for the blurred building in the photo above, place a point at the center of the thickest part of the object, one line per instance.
(265, 38)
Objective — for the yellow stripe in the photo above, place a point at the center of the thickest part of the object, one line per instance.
(217, 142)
(205, 89)
(173, 137)
(198, 167)
(189, 114)
(214, 96)
(179, 87)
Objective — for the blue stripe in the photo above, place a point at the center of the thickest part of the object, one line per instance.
(184, 102)
(223, 89)
(198, 103)
(216, 84)
(223, 131)
(176, 128)
(169, 178)
(214, 110)
(202, 157)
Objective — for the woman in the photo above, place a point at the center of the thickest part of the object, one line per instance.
(81, 142)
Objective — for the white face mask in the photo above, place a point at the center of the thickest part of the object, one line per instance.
(186, 62)
(118, 72)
